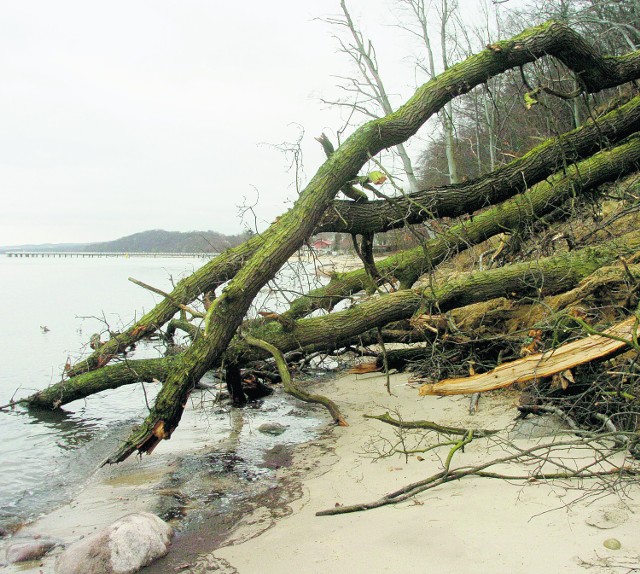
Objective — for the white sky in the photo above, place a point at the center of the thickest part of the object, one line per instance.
(122, 116)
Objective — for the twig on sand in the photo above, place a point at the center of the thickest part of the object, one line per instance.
(541, 453)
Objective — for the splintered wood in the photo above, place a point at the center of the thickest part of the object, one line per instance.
(539, 365)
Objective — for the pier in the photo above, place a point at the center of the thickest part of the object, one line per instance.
(63, 254)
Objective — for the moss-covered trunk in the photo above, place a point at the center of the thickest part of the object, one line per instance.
(264, 258)
(511, 215)
(109, 377)
(552, 38)
(208, 278)
(537, 279)
(505, 182)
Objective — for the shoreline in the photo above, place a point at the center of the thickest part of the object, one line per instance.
(477, 524)
(214, 468)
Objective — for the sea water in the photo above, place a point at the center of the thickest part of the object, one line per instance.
(49, 308)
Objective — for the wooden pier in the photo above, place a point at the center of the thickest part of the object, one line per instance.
(63, 254)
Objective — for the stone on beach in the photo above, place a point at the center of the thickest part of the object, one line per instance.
(29, 549)
(274, 429)
(123, 547)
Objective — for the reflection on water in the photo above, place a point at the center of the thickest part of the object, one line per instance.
(44, 454)
(69, 430)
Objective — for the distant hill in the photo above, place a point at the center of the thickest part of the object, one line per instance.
(154, 241)
(160, 241)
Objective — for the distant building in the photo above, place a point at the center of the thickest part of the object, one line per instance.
(321, 245)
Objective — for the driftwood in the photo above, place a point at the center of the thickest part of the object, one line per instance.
(596, 466)
(541, 365)
(431, 426)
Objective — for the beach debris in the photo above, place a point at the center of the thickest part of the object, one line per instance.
(541, 365)
(24, 550)
(274, 429)
(612, 544)
(363, 368)
(123, 547)
(430, 425)
(605, 518)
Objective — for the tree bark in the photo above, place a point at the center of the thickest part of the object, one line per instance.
(382, 215)
(109, 377)
(511, 215)
(263, 257)
(505, 182)
(208, 278)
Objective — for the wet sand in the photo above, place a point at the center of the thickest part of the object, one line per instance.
(217, 468)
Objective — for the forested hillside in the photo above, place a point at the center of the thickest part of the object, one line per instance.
(160, 241)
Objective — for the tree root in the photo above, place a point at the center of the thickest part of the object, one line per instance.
(290, 387)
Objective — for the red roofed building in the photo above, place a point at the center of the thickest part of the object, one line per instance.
(321, 245)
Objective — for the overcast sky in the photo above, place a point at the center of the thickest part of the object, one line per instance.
(123, 116)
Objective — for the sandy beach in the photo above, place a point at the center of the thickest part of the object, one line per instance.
(474, 525)
(471, 525)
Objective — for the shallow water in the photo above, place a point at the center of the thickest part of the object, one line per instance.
(43, 455)
(211, 480)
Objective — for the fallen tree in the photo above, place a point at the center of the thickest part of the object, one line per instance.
(549, 275)
(540, 365)
(512, 215)
(492, 188)
(249, 267)
(377, 216)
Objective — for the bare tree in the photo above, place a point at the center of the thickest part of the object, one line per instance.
(421, 14)
(368, 93)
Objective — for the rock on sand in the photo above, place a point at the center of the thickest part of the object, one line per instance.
(123, 547)
(29, 549)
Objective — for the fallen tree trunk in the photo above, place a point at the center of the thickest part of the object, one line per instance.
(511, 215)
(109, 377)
(505, 182)
(553, 38)
(289, 232)
(546, 276)
(534, 367)
(208, 278)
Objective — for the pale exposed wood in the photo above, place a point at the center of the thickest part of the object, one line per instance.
(539, 365)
